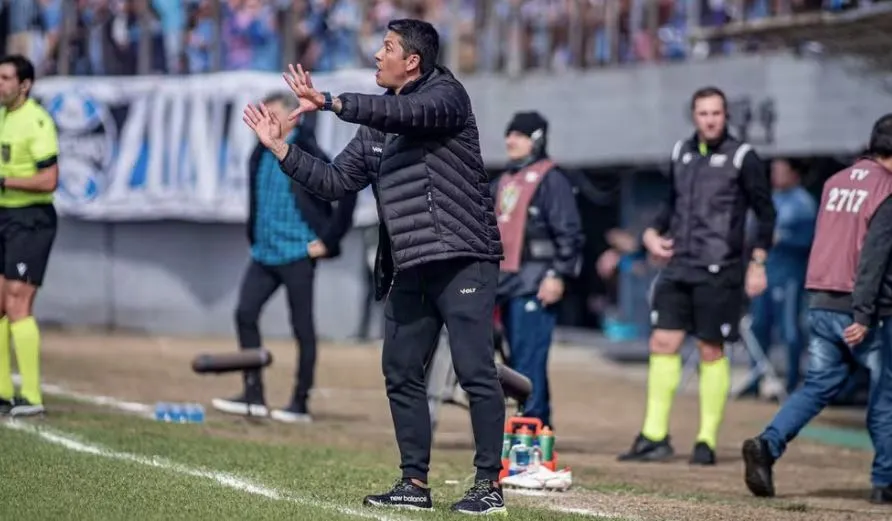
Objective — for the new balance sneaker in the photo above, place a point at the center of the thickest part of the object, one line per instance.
(5, 406)
(22, 407)
(702, 455)
(403, 494)
(294, 413)
(759, 465)
(242, 405)
(482, 499)
(644, 449)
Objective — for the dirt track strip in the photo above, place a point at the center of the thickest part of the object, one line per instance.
(598, 408)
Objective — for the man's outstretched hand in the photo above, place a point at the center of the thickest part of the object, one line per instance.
(301, 85)
(267, 127)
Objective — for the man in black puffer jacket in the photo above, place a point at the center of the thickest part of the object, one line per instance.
(437, 260)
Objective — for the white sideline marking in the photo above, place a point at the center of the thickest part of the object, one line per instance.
(144, 410)
(224, 479)
(106, 401)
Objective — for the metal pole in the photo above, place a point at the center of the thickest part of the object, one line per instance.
(693, 12)
(216, 47)
(515, 62)
(453, 46)
(144, 52)
(289, 37)
(69, 24)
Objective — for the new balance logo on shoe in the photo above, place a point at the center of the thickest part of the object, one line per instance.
(408, 499)
(493, 500)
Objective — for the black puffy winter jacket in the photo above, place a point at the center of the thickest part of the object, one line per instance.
(420, 150)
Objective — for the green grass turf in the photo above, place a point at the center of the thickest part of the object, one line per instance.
(43, 481)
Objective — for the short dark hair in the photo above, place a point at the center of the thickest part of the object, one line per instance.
(797, 165)
(708, 92)
(285, 98)
(418, 37)
(24, 69)
(881, 138)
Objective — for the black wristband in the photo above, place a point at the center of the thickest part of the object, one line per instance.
(328, 101)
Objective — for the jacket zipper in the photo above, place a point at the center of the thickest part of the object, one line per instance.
(430, 208)
(383, 217)
(691, 209)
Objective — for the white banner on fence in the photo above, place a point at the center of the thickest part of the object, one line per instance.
(162, 147)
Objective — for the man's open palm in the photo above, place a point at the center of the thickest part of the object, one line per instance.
(301, 85)
(264, 123)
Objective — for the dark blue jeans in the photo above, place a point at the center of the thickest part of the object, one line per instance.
(830, 364)
(528, 328)
(779, 309)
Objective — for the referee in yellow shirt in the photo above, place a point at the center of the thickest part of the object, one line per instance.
(29, 173)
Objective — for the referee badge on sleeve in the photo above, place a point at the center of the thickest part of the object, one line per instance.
(5, 152)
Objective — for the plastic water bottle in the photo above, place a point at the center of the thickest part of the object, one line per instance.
(162, 412)
(179, 412)
(519, 459)
(194, 413)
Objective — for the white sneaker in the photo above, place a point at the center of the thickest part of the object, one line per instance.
(239, 406)
(292, 414)
(539, 479)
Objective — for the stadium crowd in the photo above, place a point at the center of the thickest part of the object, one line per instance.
(121, 37)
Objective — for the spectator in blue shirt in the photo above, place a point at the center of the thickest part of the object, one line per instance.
(780, 306)
(288, 229)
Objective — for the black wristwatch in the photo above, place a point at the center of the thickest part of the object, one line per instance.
(328, 101)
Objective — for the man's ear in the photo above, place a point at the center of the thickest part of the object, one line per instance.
(25, 86)
(413, 62)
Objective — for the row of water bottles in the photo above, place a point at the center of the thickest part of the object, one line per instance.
(179, 412)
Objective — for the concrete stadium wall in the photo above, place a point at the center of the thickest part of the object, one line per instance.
(181, 278)
(628, 115)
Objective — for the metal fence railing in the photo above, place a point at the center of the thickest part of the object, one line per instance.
(125, 37)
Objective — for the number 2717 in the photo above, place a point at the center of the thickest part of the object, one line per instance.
(845, 200)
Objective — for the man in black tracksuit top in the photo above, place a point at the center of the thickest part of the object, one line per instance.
(437, 262)
(289, 230)
(700, 235)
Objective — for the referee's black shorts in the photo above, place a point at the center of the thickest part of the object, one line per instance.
(708, 306)
(26, 238)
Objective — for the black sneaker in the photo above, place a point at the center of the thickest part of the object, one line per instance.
(881, 495)
(404, 494)
(759, 462)
(22, 408)
(294, 413)
(702, 455)
(481, 500)
(644, 449)
(242, 405)
(5, 406)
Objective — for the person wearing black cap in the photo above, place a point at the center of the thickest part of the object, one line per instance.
(542, 245)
